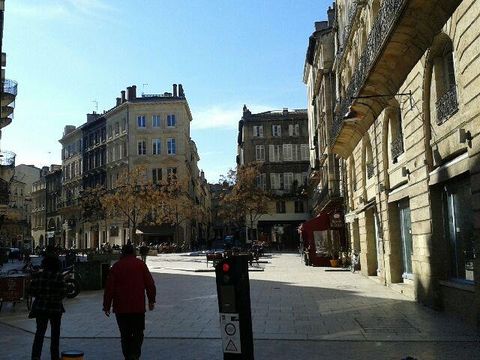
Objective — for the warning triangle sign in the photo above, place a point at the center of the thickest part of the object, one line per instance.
(231, 347)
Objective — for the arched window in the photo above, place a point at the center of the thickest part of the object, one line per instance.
(395, 133)
(443, 89)
(368, 160)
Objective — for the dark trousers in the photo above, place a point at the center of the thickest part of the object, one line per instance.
(131, 328)
(42, 322)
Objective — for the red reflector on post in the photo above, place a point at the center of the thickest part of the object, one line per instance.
(226, 267)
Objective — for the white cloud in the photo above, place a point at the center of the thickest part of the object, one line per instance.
(222, 117)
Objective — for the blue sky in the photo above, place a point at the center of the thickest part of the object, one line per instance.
(69, 55)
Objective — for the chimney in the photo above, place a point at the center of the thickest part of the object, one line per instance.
(123, 96)
(119, 101)
(134, 92)
(180, 91)
(285, 111)
(129, 93)
(175, 90)
(331, 15)
(320, 25)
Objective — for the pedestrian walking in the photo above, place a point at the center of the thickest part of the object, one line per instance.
(144, 252)
(127, 282)
(48, 288)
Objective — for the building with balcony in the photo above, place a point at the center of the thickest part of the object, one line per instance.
(407, 79)
(279, 141)
(150, 131)
(8, 93)
(38, 215)
(53, 198)
(72, 184)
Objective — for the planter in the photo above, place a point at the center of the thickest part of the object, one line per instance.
(334, 263)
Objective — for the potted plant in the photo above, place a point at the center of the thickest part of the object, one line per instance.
(333, 249)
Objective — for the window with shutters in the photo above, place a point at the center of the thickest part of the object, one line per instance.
(142, 148)
(274, 153)
(280, 207)
(261, 181)
(258, 131)
(276, 130)
(156, 175)
(141, 121)
(294, 130)
(304, 152)
(171, 146)
(156, 145)
(275, 183)
(260, 153)
(287, 152)
(156, 121)
(288, 180)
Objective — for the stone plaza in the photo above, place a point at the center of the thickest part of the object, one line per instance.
(297, 312)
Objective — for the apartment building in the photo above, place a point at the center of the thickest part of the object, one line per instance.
(151, 131)
(72, 185)
(406, 124)
(53, 198)
(8, 93)
(279, 141)
(38, 213)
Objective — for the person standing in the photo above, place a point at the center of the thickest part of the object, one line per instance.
(144, 249)
(48, 288)
(127, 282)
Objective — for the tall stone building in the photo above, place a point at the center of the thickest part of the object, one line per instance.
(151, 131)
(38, 213)
(53, 200)
(8, 93)
(279, 141)
(406, 123)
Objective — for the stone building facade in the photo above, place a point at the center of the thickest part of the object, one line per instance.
(406, 124)
(151, 131)
(8, 93)
(279, 141)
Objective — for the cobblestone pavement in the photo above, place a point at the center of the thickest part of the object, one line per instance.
(297, 311)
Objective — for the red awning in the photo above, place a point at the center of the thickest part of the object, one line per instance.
(319, 223)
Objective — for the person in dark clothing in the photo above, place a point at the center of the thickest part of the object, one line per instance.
(127, 282)
(144, 252)
(48, 288)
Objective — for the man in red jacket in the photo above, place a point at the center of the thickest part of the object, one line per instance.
(127, 282)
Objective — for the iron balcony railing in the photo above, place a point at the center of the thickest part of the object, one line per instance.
(7, 158)
(10, 87)
(330, 191)
(387, 16)
(397, 146)
(370, 170)
(352, 12)
(447, 105)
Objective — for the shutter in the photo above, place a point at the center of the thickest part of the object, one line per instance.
(271, 153)
(290, 130)
(261, 130)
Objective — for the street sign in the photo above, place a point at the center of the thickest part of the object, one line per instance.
(230, 329)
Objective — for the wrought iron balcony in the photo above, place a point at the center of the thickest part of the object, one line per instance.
(397, 147)
(352, 12)
(447, 105)
(10, 87)
(370, 170)
(329, 192)
(388, 14)
(7, 158)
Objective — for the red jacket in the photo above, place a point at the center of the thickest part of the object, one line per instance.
(127, 282)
